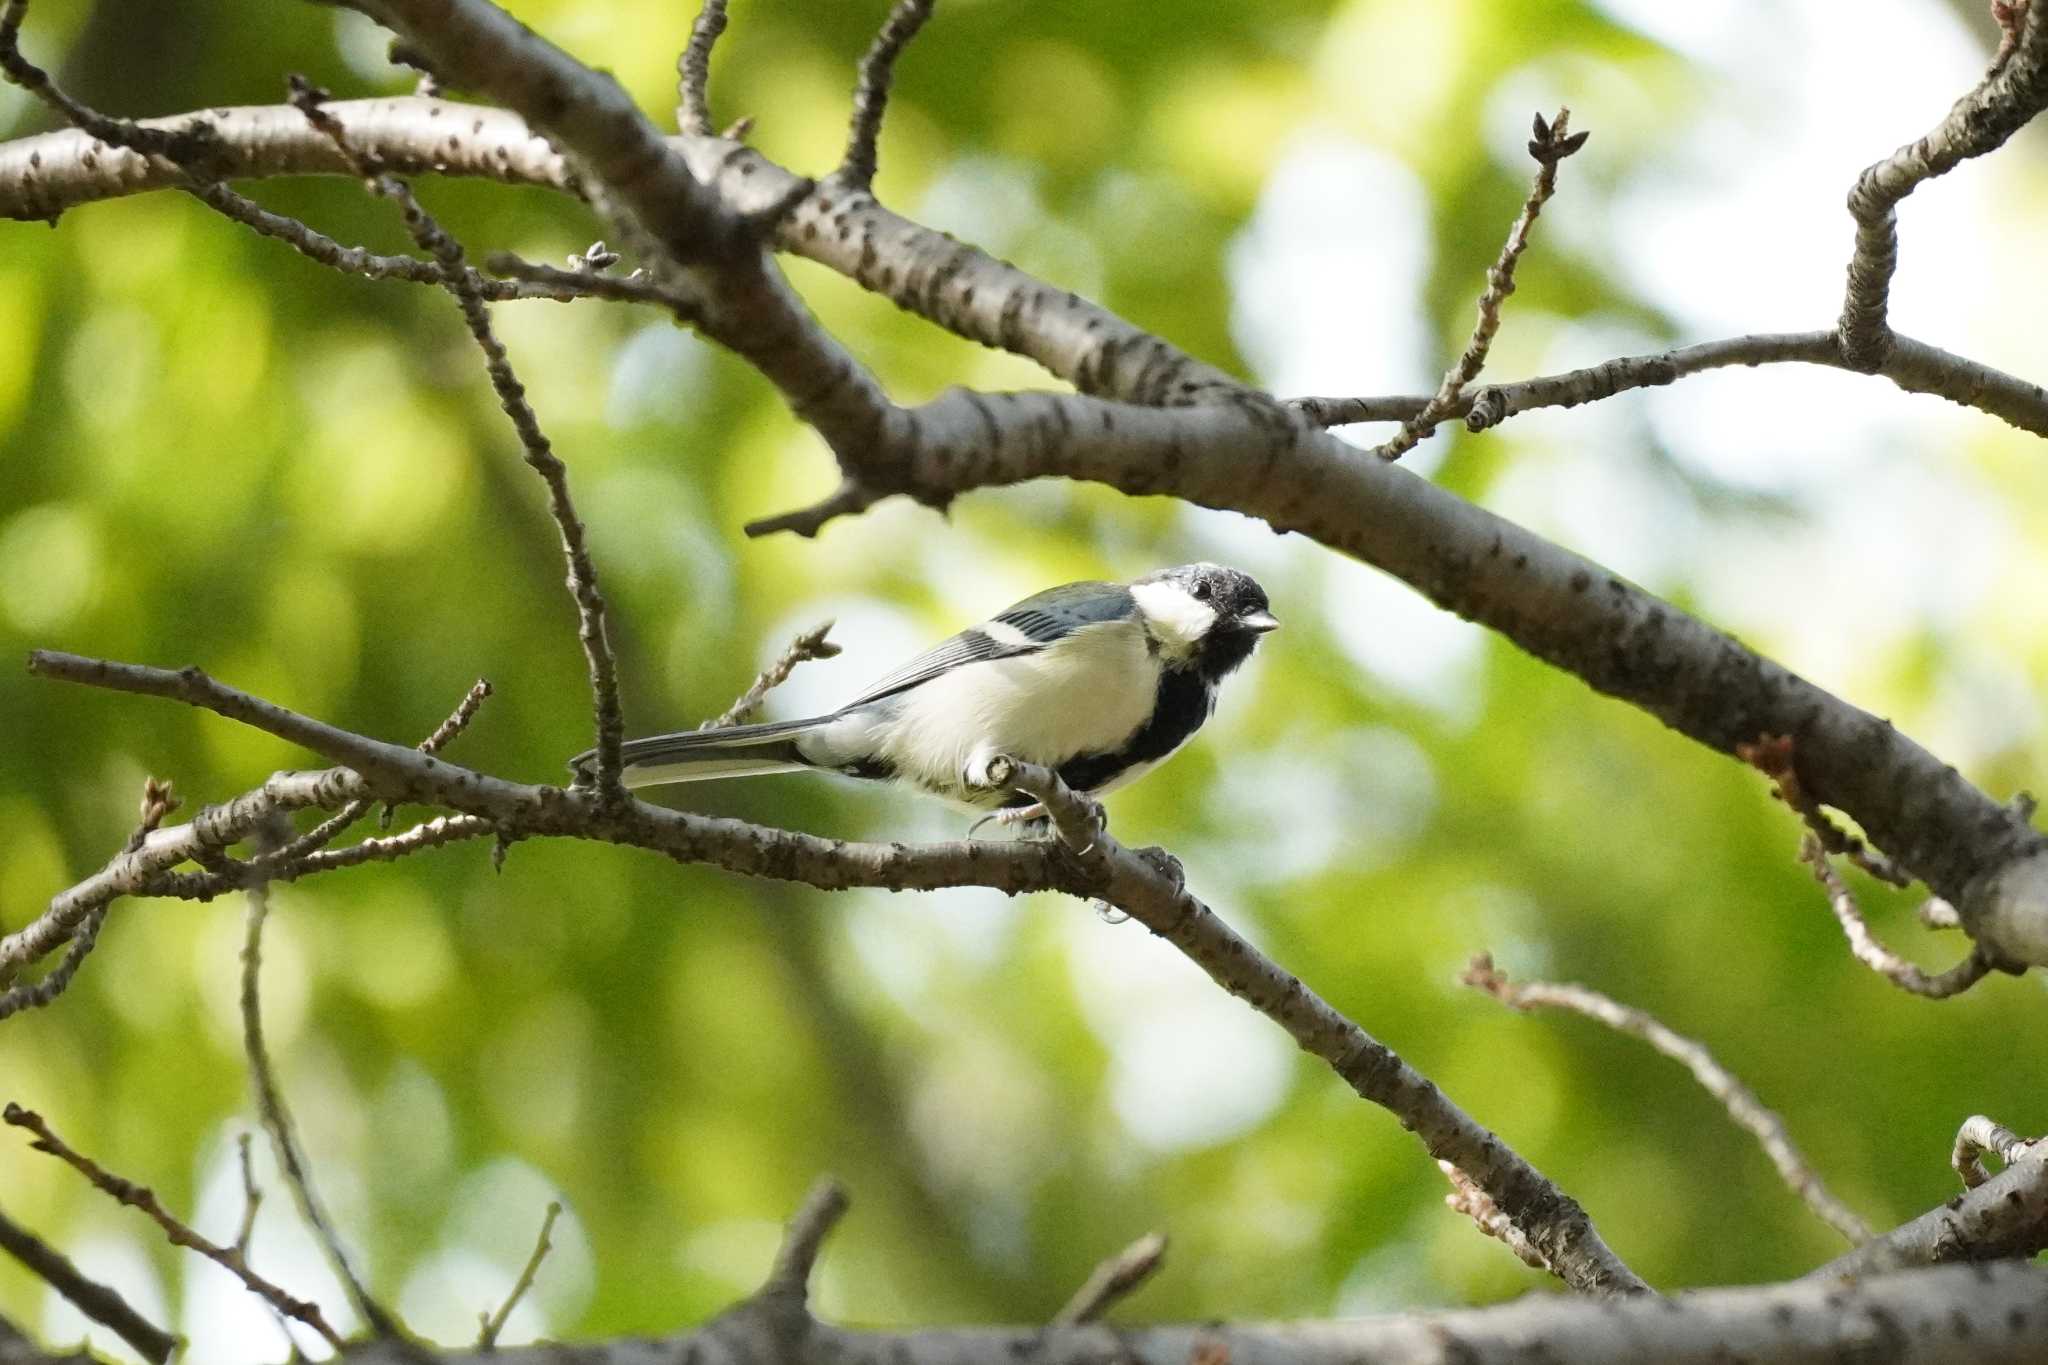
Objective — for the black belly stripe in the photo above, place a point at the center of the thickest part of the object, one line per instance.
(1185, 701)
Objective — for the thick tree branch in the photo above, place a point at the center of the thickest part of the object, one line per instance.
(1989, 1315)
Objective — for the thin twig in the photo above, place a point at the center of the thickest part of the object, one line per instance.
(1775, 757)
(277, 1121)
(693, 70)
(2013, 91)
(183, 146)
(812, 644)
(97, 1301)
(179, 1234)
(159, 799)
(804, 1238)
(1739, 1100)
(1549, 146)
(553, 281)
(871, 93)
(1115, 1280)
(1874, 955)
(58, 979)
(1467, 1198)
(252, 1194)
(539, 453)
(1977, 1136)
(494, 1323)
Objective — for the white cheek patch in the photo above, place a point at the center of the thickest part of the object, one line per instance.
(1173, 615)
(1006, 635)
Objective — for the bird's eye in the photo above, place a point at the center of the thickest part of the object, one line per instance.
(1203, 592)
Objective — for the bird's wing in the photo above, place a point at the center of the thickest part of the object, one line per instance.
(1025, 628)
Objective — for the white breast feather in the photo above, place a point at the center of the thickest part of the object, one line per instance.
(1087, 694)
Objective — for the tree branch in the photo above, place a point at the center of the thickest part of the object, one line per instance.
(97, 1301)
(693, 70)
(1874, 955)
(1549, 146)
(177, 1233)
(2005, 1217)
(277, 1122)
(1988, 1315)
(871, 95)
(1742, 1104)
(2011, 93)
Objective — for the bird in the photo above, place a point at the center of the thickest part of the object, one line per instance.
(1100, 682)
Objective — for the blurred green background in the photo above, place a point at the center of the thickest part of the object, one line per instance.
(214, 452)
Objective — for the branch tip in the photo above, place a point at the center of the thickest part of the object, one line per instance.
(804, 1238)
(871, 92)
(1113, 1281)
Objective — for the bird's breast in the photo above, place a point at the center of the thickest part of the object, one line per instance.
(1088, 693)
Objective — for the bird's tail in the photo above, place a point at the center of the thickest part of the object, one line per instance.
(699, 755)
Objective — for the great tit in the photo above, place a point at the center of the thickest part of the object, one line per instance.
(1100, 682)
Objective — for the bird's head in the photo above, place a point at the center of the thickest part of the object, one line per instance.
(1206, 612)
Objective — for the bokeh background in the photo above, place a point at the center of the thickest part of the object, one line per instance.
(214, 452)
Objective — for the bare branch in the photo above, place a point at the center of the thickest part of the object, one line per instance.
(494, 1323)
(1115, 1280)
(252, 1194)
(1742, 1104)
(97, 1301)
(179, 1234)
(1913, 366)
(693, 70)
(1875, 955)
(1977, 1136)
(634, 288)
(180, 146)
(1987, 1315)
(539, 453)
(1154, 895)
(1549, 146)
(805, 1237)
(277, 1122)
(2012, 93)
(2006, 1216)
(871, 94)
(812, 644)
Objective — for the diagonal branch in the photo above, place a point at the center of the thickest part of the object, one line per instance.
(176, 1232)
(1147, 887)
(97, 1301)
(1742, 1104)
(1550, 146)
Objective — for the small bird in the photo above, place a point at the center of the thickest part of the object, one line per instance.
(1100, 682)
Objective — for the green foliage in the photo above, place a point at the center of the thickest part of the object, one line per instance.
(214, 452)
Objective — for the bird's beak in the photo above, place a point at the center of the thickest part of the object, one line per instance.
(1259, 622)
